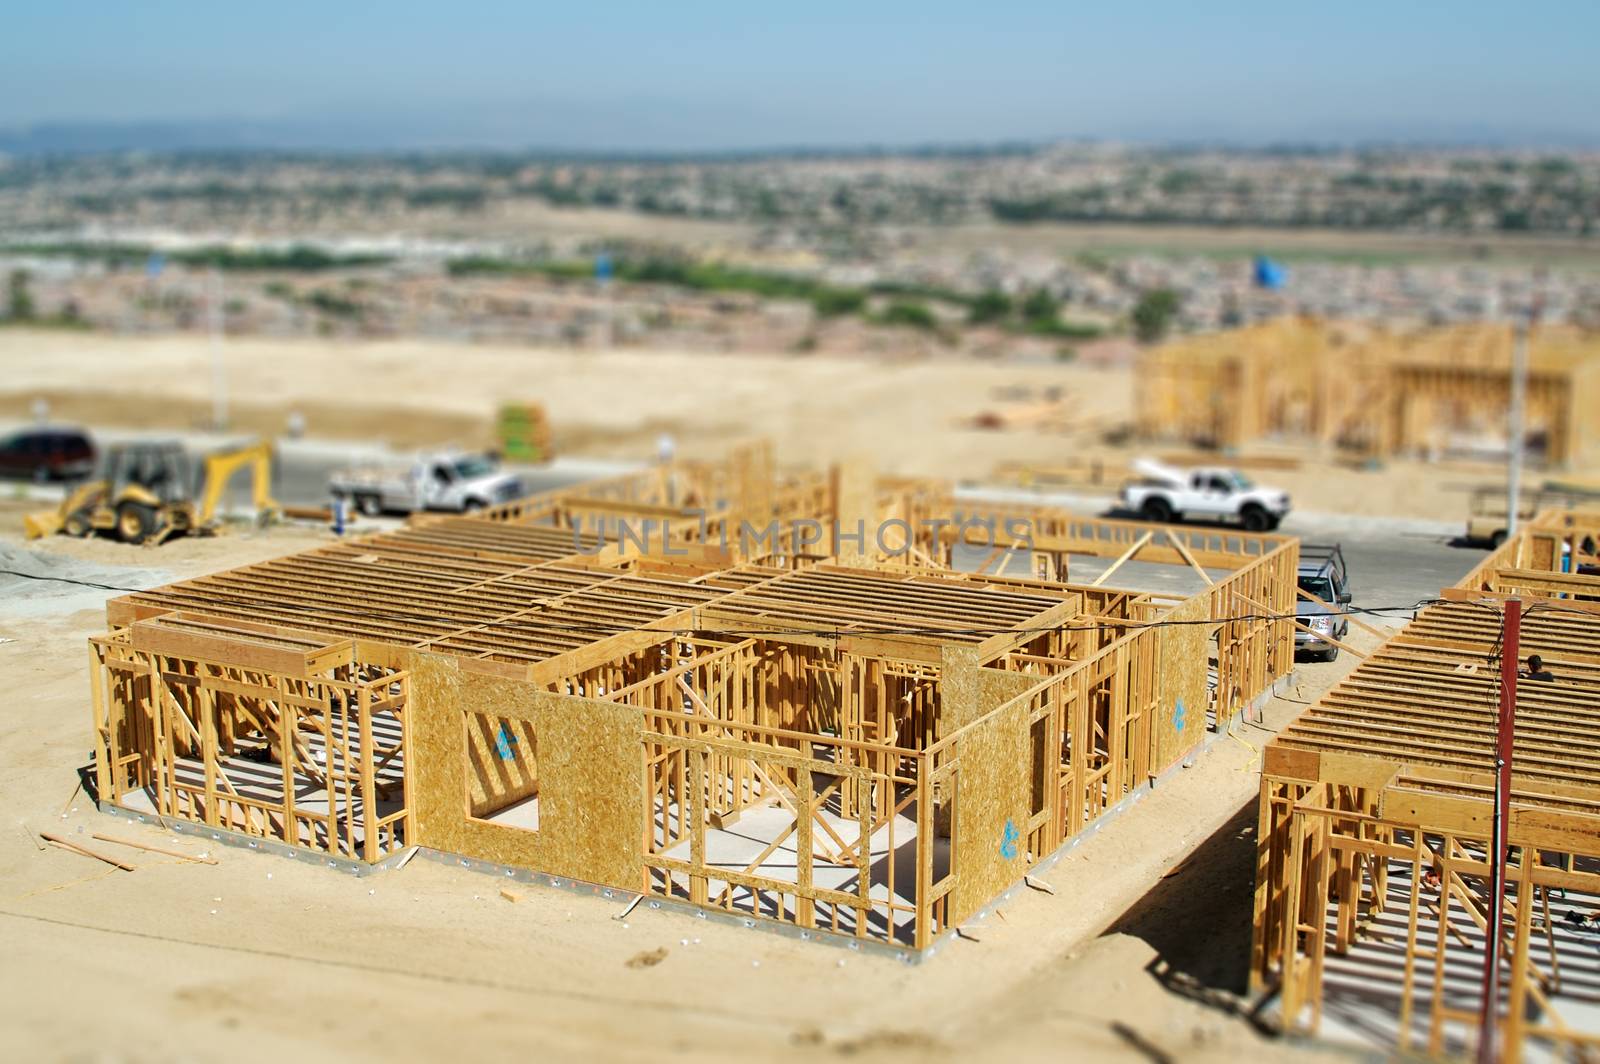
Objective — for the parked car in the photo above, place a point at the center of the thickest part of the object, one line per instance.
(42, 454)
(441, 481)
(1164, 493)
(1323, 574)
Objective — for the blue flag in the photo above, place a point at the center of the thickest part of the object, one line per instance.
(1270, 275)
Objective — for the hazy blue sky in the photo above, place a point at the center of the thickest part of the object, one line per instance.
(712, 75)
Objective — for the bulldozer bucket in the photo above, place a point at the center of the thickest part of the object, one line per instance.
(42, 523)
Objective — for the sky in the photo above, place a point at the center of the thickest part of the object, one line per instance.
(689, 75)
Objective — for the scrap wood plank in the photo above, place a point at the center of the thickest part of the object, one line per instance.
(68, 844)
(155, 849)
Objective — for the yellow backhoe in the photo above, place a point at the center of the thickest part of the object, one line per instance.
(146, 494)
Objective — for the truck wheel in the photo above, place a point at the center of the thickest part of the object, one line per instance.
(370, 505)
(136, 522)
(1498, 540)
(1331, 654)
(1255, 518)
(77, 524)
(473, 506)
(1156, 509)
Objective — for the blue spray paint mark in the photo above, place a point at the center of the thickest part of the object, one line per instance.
(1177, 716)
(502, 743)
(1008, 840)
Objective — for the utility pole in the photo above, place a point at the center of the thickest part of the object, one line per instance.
(1510, 653)
(219, 377)
(1516, 432)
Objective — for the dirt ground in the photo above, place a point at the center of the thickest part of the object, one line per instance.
(260, 957)
(909, 417)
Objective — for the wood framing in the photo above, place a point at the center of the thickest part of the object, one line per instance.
(610, 684)
(1341, 384)
(1376, 811)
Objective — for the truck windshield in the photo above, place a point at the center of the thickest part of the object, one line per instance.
(472, 466)
(1242, 482)
(1319, 586)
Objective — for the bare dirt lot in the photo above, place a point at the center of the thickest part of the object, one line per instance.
(260, 957)
(912, 417)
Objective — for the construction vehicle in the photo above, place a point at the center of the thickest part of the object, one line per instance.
(146, 493)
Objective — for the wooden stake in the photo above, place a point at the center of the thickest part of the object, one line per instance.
(67, 805)
(31, 835)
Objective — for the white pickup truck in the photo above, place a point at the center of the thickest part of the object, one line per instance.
(442, 481)
(1165, 493)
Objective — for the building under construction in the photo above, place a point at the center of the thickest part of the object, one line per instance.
(846, 732)
(1348, 386)
(1373, 893)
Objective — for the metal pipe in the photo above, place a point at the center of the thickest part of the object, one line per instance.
(1515, 431)
(1510, 649)
(219, 375)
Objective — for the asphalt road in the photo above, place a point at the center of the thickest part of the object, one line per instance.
(1392, 561)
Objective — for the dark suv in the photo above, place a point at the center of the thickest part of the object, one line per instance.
(46, 454)
(1323, 574)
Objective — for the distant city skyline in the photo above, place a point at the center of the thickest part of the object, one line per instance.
(713, 76)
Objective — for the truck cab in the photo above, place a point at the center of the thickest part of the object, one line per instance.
(441, 481)
(1212, 493)
(1322, 573)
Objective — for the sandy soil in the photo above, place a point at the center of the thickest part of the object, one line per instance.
(260, 957)
(910, 417)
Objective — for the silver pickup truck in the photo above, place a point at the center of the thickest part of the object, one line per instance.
(442, 481)
(1323, 574)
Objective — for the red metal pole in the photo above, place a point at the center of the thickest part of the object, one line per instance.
(1510, 653)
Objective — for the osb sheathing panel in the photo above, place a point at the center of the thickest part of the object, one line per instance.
(591, 790)
(1181, 699)
(855, 501)
(996, 687)
(960, 689)
(991, 815)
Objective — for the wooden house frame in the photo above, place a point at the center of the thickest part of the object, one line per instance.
(1339, 385)
(1377, 805)
(901, 740)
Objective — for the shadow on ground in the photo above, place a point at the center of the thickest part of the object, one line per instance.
(1197, 919)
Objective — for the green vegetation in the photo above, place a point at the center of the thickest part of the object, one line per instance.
(992, 306)
(459, 197)
(909, 314)
(19, 301)
(333, 304)
(829, 300)
(20, 308)
(298, 258)
(1040, 306)
(1039, 314)
(1153, 314)
(838, 302)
